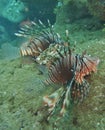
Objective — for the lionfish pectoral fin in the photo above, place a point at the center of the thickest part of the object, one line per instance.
(53, 100)
(66, 101)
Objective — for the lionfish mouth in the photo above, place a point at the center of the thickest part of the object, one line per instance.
(64, 67)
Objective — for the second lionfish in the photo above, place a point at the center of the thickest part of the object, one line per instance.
(69, 70)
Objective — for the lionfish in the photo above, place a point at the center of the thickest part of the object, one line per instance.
(64, 67)
(70, 71)
(39, 38)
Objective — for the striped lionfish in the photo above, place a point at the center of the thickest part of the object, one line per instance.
(70, 71)
(39, 38)
(64, 67)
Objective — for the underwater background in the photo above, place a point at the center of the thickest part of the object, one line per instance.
(80, 22)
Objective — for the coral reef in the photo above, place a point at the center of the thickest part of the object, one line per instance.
(83, 8)
(3, 35)
(65, 12)
(2, 5)
(14, 11)
(97, 8)
(42, 10)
